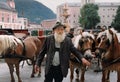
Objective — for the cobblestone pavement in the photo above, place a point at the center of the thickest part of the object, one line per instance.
(90, 76)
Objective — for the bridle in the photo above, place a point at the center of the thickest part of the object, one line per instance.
(81, 43)
(107, 62)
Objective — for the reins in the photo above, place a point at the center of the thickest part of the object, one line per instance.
(109, 64)
(86, 49)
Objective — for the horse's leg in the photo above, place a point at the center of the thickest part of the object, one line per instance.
(108, 76)
(77, 74)
(18, 72)
(33, 72)
(71, 72)
(105, 76)
(118, 76)
(11, 69)
(39, 72)
(82, 79)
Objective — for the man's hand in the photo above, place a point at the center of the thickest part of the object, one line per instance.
(85, 62)
(36, 69)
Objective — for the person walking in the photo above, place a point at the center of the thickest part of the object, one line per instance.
(57, 48)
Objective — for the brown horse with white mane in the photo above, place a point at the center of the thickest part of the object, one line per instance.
(108, 48)
(83, 43)
(20, 50)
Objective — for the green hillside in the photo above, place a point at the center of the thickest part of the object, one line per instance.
(33, 10)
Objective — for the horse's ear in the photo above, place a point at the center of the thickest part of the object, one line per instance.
(110, 31)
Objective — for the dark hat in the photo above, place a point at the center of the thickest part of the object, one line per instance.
(58, 24)
(72, 29)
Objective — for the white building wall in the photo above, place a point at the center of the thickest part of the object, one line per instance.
(74, 16)
(107, 12)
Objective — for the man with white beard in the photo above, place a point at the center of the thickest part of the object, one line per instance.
(57, 48)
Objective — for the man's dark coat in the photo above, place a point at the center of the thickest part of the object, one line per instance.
(66, 48)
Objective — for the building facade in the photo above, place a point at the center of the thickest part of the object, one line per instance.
(9, 16)
(107, 12)
(48, 24)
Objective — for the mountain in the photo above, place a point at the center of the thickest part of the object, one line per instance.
(33, 10)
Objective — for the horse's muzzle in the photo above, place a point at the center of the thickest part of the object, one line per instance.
(98, 53)
(88, 57)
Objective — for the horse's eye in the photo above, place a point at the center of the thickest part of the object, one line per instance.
(103, 38)
(81, 42)
(98, 40)
(108, 42)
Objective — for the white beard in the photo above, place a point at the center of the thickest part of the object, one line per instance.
(59, 37)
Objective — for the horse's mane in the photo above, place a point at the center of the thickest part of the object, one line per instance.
(8, 41)
(78, 37)
(101, 33)
(107, 33)
(87, 34)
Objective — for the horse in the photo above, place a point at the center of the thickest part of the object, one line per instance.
(27, 49)
(84, 44)
(108, 50)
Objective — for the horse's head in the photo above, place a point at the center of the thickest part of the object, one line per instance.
(106, 42)
(86, 44)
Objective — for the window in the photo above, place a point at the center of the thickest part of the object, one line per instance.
(74, 15)
(2, 19)
(8, 20)
(113, 16)
(73, 21)
(13, 20)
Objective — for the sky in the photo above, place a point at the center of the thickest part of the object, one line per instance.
(52, 4)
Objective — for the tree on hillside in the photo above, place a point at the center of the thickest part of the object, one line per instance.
(116, 21)
(89, 16)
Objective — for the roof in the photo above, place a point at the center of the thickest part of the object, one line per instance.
(108, 4)
(4, 5)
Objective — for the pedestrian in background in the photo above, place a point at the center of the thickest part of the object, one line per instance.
(71, 33)
(57, 48)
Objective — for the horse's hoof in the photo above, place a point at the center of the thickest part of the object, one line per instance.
(12, 80)
(39, 75)
(32, 76)
(76, 80)
(19, 81)
(81, 80)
